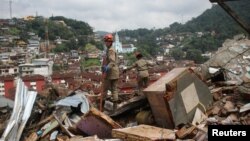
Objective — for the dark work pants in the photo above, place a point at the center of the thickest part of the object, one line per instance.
(142, 83)
(110, 84)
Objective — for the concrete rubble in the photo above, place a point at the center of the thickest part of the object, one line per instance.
(177, 105)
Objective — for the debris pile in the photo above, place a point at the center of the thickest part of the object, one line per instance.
(178, 105)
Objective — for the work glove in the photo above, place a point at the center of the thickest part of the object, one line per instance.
(105, 68)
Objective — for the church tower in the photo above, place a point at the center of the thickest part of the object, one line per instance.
(117, 44)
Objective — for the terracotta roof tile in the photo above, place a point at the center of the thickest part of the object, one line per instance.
(32, 77)
(7, 78)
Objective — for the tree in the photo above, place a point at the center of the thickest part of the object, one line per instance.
(177, 53)
(82, 40)
(130, 57)
(61, 48)
(89, 48)
(72, 44)
(195, 55)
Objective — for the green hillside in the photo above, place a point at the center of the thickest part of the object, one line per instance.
(216, 19)
(215, 24)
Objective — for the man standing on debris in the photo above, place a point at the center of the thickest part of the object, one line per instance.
(110, 70)
(142, 67)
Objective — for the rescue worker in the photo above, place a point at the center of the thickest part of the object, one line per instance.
(142, 67)
(110, 70)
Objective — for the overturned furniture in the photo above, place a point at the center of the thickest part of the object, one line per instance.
(175, 97)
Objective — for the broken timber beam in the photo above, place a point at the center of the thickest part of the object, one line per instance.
(232, 13)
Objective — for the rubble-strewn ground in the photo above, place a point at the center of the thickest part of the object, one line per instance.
(58, 114)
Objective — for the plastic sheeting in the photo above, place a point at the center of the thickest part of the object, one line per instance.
(74, 101)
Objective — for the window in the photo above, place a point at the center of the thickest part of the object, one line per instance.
(32, 83)
(34, 87)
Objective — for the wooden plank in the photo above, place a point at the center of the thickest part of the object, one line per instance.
(103, 116)
(143, 133)
(159, 85)
(32, 137)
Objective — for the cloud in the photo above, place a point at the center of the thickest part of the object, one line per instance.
(111, 15)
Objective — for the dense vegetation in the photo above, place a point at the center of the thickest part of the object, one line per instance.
(215, 23)
(76, 34)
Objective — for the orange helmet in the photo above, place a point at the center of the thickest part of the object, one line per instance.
(108, 38)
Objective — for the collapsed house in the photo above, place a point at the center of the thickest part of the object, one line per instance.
(232, 59)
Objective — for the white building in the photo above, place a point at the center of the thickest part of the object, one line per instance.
(33, 46)
(8, 70)
(41, 66)
(127, 48)
(2, 90)
(117, 44)
(159, 58)
(4, 57)
(26, 69)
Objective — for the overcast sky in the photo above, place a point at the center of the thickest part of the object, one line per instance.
(111, 15)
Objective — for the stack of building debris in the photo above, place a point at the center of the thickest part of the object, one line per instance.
(233, 58)
(178, 106)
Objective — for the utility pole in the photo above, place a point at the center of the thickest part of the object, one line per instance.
(10, 2)
(46, 38)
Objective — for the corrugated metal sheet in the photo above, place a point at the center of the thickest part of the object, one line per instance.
(24, 101)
